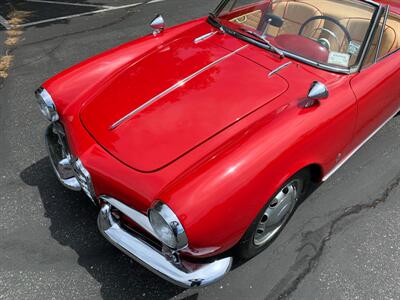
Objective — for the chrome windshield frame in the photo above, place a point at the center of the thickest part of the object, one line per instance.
(368, 41)
(379, 11)
(385, 18)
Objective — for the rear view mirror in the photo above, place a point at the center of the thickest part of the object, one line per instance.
(274, 20)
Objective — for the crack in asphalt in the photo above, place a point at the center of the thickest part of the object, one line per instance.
(63, 36)
(119, 20)
(314, 243)
(40, 57)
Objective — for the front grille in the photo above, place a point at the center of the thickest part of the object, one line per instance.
(59, 151)
(143, 235)
(69, 169)
(84, 178)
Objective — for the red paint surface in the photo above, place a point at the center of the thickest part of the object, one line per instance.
(216, 149)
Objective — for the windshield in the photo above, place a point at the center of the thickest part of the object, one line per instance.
(326, 32)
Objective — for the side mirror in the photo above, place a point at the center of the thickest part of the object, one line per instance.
(271, 19)
(318, 91)
(158, 24)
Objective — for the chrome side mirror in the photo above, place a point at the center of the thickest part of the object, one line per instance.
(158, 24)
(318, 91)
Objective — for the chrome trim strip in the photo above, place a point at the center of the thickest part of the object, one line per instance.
(137, 217)
(337, 167)
(378, 47)
(204, 37)
(84, 178)
(371, 2)
(43, 96)
(172, 88)
(70, 183)
(369, 39)
(178, 272)
(69, 169)
(279, 69)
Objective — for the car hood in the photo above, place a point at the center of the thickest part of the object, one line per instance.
(174, 99)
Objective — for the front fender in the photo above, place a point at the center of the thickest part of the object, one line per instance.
(217, 199)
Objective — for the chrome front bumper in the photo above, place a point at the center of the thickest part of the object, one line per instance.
(163, 261)
(166, 264)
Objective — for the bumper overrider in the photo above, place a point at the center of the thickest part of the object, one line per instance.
(166, 262)
(163, 260)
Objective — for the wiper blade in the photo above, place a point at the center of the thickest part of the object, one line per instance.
(268, 43)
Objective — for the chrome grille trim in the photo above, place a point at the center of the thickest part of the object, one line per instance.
(69, 170)
(169, 265)
(69, 182)
(137, 217)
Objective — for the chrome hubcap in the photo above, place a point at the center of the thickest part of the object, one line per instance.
(277, 213)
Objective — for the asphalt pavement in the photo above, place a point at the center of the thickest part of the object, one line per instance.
(342, 243)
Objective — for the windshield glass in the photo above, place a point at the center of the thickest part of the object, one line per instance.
(327, 32)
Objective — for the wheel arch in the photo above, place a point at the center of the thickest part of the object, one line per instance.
(316, 172)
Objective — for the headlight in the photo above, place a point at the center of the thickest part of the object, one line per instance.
(46, 105)
(167, 226)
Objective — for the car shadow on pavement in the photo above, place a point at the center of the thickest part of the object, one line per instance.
(74, 224)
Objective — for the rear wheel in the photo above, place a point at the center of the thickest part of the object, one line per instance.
(274, 216)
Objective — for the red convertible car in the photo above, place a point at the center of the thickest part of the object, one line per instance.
(204, 137)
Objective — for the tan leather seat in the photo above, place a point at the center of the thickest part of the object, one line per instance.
(391, 38)
(388, 45)
(294, 15)
(358, 27)
(355, 18)
(251, 19)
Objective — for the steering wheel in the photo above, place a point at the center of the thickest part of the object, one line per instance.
(323, 41)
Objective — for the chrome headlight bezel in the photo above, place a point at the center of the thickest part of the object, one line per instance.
(46, 105)
(170, 223)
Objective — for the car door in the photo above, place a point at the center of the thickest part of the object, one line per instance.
(377, 86)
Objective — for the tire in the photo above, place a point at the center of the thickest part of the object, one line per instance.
(268, 224)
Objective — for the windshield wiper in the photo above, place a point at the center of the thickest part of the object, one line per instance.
(217, 24)
(268, 43)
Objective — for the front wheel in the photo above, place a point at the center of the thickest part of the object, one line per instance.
(274, 216)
